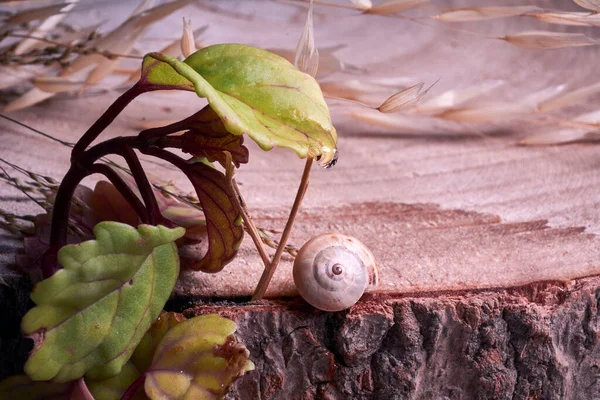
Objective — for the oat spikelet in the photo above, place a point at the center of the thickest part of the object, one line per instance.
(549, 40)
(404, 99)
(570, 98)
(483, 13)
(43, 28)
(362, 4)
(401, 99)
(501, 111)
(456, 97)
(394, 6)
(307, 56)
(33, 14)
(188, 45)
(56, 84)
(34, 96)
(560, 136)
(585, 127)
(568, 18)
(593, 5)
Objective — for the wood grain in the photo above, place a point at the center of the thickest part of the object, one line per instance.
(444, 206)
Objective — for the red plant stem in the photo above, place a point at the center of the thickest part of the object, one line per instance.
(148, 135)
(107, 118)
(142, 182)
(133, 388)
(64, 195)
(60, 216)
(167, 156)
(123, 188)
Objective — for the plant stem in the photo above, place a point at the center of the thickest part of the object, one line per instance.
(62, 203)
(265, 279)
(142, 182)
(123, 188)
(251, 228)
(106, 119)
(133, 388)
(148, 135)
(60, 216)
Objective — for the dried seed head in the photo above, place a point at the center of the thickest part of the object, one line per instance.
(483, 13)
(307, 56)
(593, 5)
(188, 45)
(362, 4)
(394, 6)
(549, 40)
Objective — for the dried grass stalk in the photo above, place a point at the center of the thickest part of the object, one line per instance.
(12, 76)
(570, 98)
(456, 97)
(143, 6)
(121, 40)
(593, 5)
(560, 136)
(34, 14)
(362, 4)
(483, 13)
(394, 121)
(46, 26)
(34, 96)
(487, 113)
(591, 118)
(549, 40)
(501, 111)
(56, 84)
(568, 18)
(402, 99)
(307, 56)
(394, 6)
(328, 62)
(364, 90)
(188, 44)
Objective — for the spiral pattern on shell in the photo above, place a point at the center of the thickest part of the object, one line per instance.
(332, 271)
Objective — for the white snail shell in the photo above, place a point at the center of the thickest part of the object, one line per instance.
(332, 271)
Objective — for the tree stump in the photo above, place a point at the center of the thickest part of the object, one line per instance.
(535, 342)
(488, 251)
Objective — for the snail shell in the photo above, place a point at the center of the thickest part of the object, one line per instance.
(332, 271)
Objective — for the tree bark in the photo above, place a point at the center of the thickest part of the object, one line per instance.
(538, 341)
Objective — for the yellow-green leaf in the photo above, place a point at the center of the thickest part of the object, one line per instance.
(91, 314)
(197, 359)
(142, 356)
(255, 92)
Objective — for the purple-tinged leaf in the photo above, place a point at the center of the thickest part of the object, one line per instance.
(197, 359)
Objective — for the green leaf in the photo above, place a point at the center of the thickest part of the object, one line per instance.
(223, 220)
(142, 356)
(91, 314)
(255, 92)
(197, 359)
(114, 388)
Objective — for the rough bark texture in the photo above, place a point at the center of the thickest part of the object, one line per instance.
(540, 341)
(535, 342)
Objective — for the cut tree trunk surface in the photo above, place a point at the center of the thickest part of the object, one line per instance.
(449, 213)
